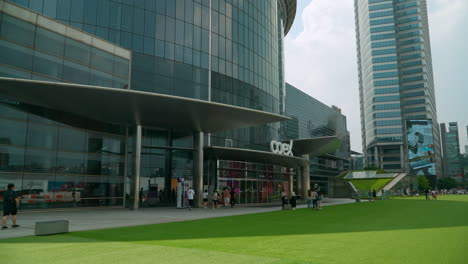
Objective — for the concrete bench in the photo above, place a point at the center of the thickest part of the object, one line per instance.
(43, 228)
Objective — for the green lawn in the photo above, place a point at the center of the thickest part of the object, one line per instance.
(365, 184)
(393, 231)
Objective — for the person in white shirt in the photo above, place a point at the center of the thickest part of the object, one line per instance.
(191, 197)
(205, 198)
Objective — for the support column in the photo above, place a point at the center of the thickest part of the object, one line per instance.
(299, 182)
(305, 178)
(376, 157)
(402, 159)
(198, 167)
(136, 197)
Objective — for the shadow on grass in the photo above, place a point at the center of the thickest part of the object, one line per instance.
(396, 214)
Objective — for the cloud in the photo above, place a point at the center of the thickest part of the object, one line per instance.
(321, 60)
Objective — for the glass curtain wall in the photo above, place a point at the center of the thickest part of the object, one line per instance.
(253, 182)
(55, 164)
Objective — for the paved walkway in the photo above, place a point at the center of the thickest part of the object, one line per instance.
(89, 219)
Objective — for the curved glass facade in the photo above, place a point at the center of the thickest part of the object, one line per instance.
(219, 50)
(226, 51)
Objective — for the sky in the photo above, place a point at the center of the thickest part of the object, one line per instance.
(321, 60)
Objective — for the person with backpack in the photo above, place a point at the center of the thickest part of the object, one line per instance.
(10, 206)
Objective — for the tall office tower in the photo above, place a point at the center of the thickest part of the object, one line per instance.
(451, 145)
(443, 138)
(398, 110)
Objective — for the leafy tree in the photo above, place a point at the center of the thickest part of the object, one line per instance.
(423, 183)
(447, 183)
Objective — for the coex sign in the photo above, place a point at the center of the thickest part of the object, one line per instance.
(281, 148)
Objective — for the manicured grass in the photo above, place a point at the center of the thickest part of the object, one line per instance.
(392, 231)
(365, 184)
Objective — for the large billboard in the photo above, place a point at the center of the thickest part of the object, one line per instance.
(421, 153)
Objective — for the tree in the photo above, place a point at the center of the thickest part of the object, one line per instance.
(423, 183)
(447, 183)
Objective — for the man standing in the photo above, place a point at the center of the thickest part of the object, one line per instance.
(314, 197)
(10, 205)
(191, 197)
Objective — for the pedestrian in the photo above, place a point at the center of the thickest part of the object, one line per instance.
(10, 206)
(284, 198)
(426, 193)
(433, 194)
(205, 199)
(233, 198)
(140, 196)
(191, 197)
(369, 195)
(383, 194)
(309, 199)
(314, 200)
(215, 199)
(319, 200)
(292, 200)
(374, 194)
(226, 197)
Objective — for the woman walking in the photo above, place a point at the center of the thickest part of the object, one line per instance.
(309, 199)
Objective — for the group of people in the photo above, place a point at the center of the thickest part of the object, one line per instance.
(227, 198)
(431, 193)
(291, 200)
(314, 199)
(372, 195)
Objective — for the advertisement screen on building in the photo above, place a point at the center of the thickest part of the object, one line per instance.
(421, 154)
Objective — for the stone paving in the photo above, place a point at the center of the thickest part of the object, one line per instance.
(89, 219)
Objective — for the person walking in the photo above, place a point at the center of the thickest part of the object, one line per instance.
(284, 198)
(292, 200)
(309, 199)
(383, 194)
(374, 194)
(226, 197)
(233, 198)
(315, 200)
(191, 197)
(10, 206)
(369, 195)
(205, 199)
(426, 193)
(319, 200)
(215, 199)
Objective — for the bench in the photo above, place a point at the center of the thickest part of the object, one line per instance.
(43, 228)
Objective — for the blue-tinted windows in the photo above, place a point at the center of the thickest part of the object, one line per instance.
(380, 75)
(385, 67)
(386, 82)
(17, 30)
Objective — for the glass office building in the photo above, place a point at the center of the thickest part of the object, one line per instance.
(452, 163)
(311, 118)
(395, 79)
(134, 142)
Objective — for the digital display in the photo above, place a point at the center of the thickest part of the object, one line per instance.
(421, 153)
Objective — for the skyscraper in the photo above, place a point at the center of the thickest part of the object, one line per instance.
(396, 86)
(451, 146)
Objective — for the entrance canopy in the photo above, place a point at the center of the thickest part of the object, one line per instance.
(255, 156)
(128, 107)
(315, 146)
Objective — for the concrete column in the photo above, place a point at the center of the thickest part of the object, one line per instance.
(136, 197)
(376, 157)
(305, 178)
(299, 182)
(402, 158)
(198, 167)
